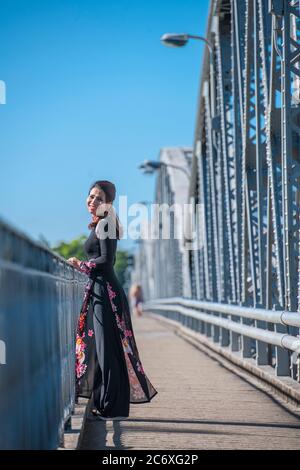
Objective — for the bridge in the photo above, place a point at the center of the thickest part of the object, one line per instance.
(219, 336)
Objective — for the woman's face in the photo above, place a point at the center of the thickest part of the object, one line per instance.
(94, 199)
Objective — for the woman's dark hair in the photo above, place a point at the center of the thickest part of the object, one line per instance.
(109, 190)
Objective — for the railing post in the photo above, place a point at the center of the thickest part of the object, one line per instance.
(246, 341)
(262, 358)
(234, 337)
(282, 355)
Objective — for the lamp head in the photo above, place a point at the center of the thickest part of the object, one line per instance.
(149, 166)
(174, 39)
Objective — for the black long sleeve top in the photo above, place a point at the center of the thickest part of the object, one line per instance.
(101, 253)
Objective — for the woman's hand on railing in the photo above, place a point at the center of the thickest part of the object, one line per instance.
(83, 266)
(74, 262)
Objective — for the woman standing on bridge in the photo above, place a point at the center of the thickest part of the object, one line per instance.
(108, 366)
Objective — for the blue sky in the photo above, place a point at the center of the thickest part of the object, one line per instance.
(91, 93)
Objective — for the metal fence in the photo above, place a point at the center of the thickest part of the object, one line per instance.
(40, 298)
(222, 323)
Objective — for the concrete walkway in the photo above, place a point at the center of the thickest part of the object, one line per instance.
(199, 405)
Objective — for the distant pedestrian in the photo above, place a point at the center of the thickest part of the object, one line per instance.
(137, 299)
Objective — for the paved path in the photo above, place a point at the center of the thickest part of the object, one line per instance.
(200, 404)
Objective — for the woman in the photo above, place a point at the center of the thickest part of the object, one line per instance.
(137, 299)
(108, 367)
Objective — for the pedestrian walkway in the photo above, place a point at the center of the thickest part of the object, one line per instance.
(200, 404)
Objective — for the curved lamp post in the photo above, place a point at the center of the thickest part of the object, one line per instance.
(181, 39)
(150, 166)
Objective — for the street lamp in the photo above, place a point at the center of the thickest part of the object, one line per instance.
(150, 166)
(181, 39)
(145, 203)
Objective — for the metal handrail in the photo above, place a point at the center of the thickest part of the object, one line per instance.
(40, 300)
(277, 339)
(273, 316)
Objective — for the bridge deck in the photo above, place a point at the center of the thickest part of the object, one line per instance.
(200, 404)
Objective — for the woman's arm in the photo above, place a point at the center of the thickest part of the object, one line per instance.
(106, 258)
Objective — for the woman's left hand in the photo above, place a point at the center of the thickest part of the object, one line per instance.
(74, 261)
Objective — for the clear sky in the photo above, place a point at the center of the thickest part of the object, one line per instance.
(91, 93)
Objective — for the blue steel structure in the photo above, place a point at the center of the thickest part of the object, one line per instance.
(40, 300)
(245, 177)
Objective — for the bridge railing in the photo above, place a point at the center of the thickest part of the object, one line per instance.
(233, 327)
(40, 299)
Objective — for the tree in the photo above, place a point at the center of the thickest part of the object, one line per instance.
(75, 248)
(72, 248)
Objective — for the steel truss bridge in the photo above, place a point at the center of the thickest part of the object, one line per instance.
(240, 284)
(234, 287)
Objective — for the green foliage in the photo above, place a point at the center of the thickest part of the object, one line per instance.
(72, 248)
(75, 248)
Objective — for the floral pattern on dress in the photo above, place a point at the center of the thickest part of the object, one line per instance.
(134, 366)
(86, 266)
(135, 385)
(80, 365)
